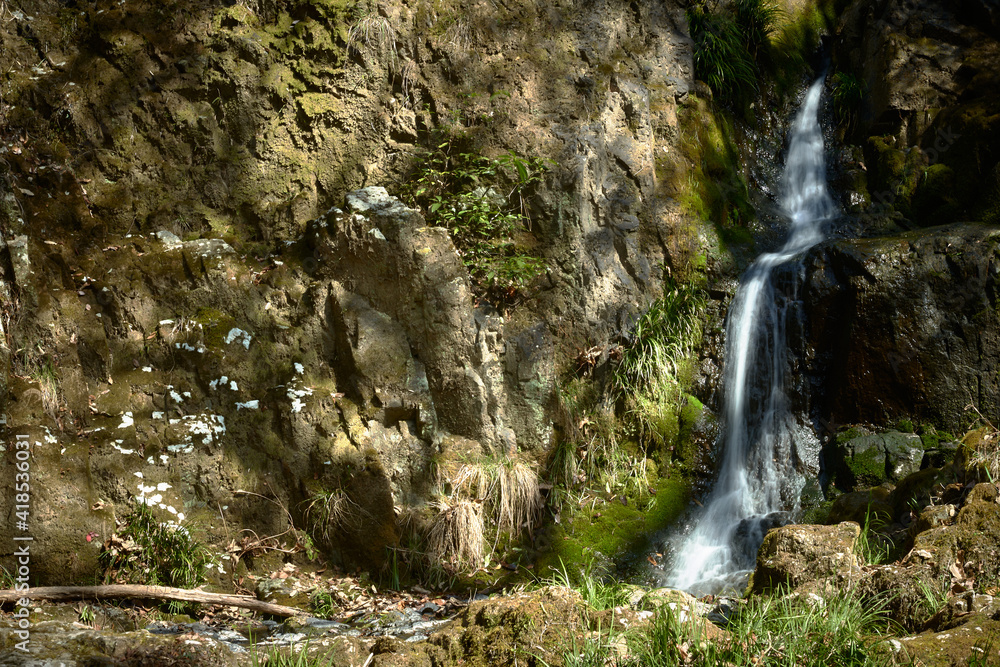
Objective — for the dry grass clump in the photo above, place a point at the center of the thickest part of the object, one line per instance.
(509, 489)
(456, 535)
(375, 33)
(983, 445)
(519, 501)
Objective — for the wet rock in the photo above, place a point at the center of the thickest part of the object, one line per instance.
(913, 56)
(795, 555)
(904, 326)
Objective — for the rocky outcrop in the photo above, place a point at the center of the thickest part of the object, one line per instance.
(904, 326)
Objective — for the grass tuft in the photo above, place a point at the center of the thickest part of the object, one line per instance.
(456, 536)
(595, 590)
(145, 551)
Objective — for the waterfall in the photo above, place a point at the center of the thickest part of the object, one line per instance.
(759, 482)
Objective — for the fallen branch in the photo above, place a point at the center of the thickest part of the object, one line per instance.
(119, 591)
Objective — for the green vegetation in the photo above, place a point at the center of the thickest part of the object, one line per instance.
(145, 551)
(289, 657)
(775, 631)
(847, 94)
(871, 546)
(323, 605)
(731, 42)
(596, 592)
(480, 201)
(656, 368)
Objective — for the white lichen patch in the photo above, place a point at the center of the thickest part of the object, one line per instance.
(189, 348)
(299, 368)
(238, 334)
(249, 405)
(126, 420)
(296, 395)
(117, 444)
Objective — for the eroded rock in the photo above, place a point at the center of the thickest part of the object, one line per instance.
(796, 555)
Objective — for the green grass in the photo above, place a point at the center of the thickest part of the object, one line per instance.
(277, 657)
(847, 94)
(873, 547)
(145, 551)
(655, 369)
(775, 632)
(595, 590)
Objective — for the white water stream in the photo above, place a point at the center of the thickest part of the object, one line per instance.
(759, 483)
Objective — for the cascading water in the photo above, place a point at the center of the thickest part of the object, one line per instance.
(759, 483)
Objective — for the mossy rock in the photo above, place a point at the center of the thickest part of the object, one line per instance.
(972, 643)
(601, 528)
(872, 506)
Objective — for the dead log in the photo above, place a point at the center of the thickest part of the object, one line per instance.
(135, 591)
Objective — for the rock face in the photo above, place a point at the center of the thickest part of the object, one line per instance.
(203, 309)
(905, 326)
(820, 556)
(929, 69)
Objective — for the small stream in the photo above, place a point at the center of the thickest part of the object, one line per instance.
(759, 482)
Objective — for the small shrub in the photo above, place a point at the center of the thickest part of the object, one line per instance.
(480, 201)
(145, 551)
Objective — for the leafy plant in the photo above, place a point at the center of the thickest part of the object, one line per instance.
(847, 94)
(323, 605)
(481, 202)
(145, 551)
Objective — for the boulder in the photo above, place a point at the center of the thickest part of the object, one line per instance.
(967, 551)
(796, 555)
(872, 505)
(863, 459)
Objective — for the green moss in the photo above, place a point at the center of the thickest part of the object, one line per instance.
(868, 467)
(215, 325)
(598, 525)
